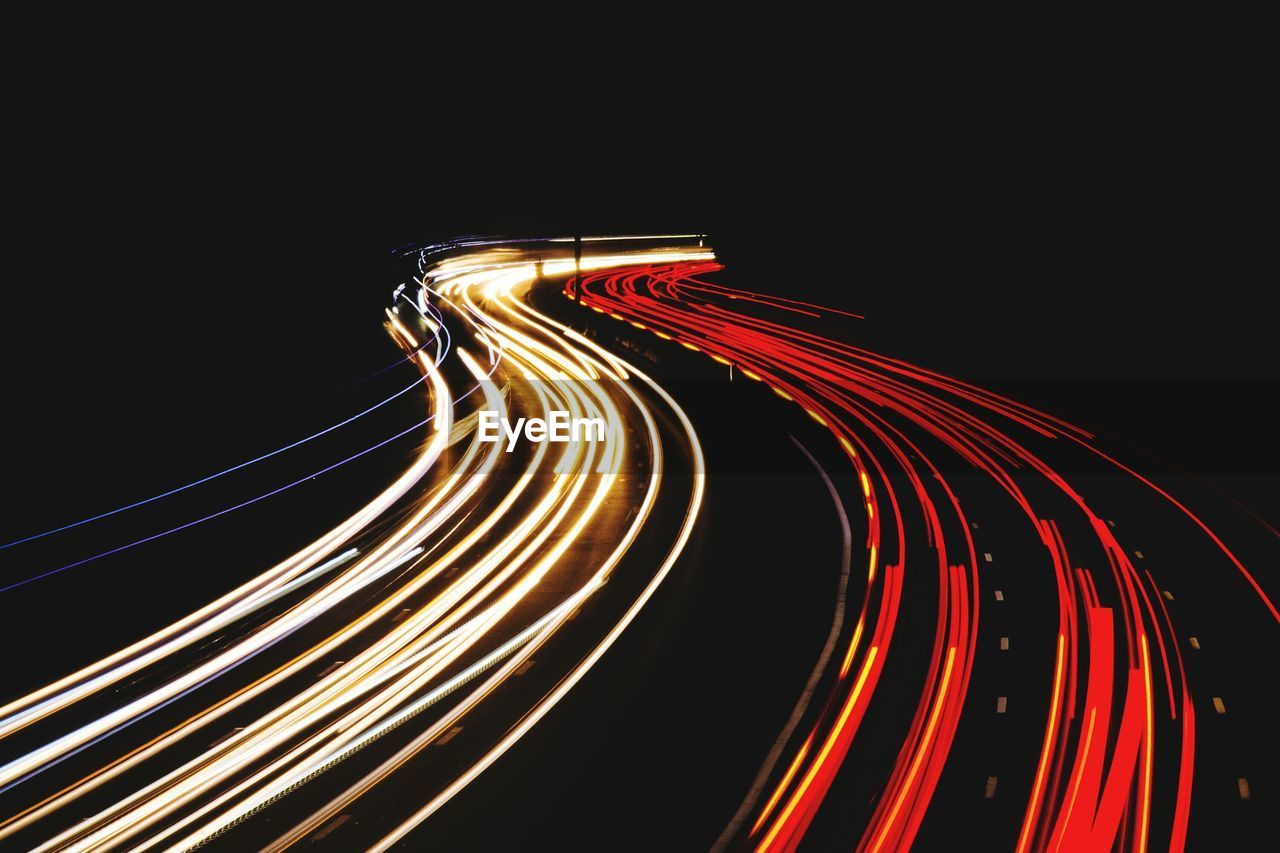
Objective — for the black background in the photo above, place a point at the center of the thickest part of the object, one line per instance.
(190, 283)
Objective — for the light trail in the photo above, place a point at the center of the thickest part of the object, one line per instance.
(471, 591)
(385, 635)
(875, 407)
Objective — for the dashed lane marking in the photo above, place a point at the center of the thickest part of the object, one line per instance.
(330, 668)
(333, 824)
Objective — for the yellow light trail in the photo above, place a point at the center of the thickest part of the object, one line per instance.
(830, 742)
(462, 583)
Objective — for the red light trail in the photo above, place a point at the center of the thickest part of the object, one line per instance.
(396, 652)
(1093, 780)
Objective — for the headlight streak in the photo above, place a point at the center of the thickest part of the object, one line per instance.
(854, 393)
(397, 670)
(569, 681)
(564, 610)
(190, 725)
(16, 714)
(381, 611)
